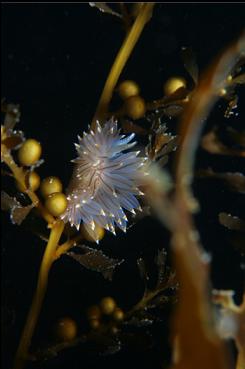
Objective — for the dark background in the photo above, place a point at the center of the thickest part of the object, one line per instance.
(55, 59)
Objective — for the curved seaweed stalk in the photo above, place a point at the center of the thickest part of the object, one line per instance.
(195, 341)
(193, 320)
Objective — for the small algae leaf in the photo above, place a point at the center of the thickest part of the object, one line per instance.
(17, 212)
(95, 260)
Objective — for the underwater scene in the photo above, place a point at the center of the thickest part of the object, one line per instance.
(123, 183)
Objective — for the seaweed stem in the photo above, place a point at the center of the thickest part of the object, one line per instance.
(193, 318)
(194, 313)
(62, 249)
(120, 61)
(47, 261)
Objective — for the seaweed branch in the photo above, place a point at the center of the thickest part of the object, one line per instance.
(194, 312)
(120, 61)
(193, 329)
(47, 261)
(19, 175)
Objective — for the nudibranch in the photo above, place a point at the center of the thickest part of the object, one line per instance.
(105, 180)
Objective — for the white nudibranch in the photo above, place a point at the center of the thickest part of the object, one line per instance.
(105, 180)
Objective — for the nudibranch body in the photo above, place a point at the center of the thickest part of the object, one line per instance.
(105, 180)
